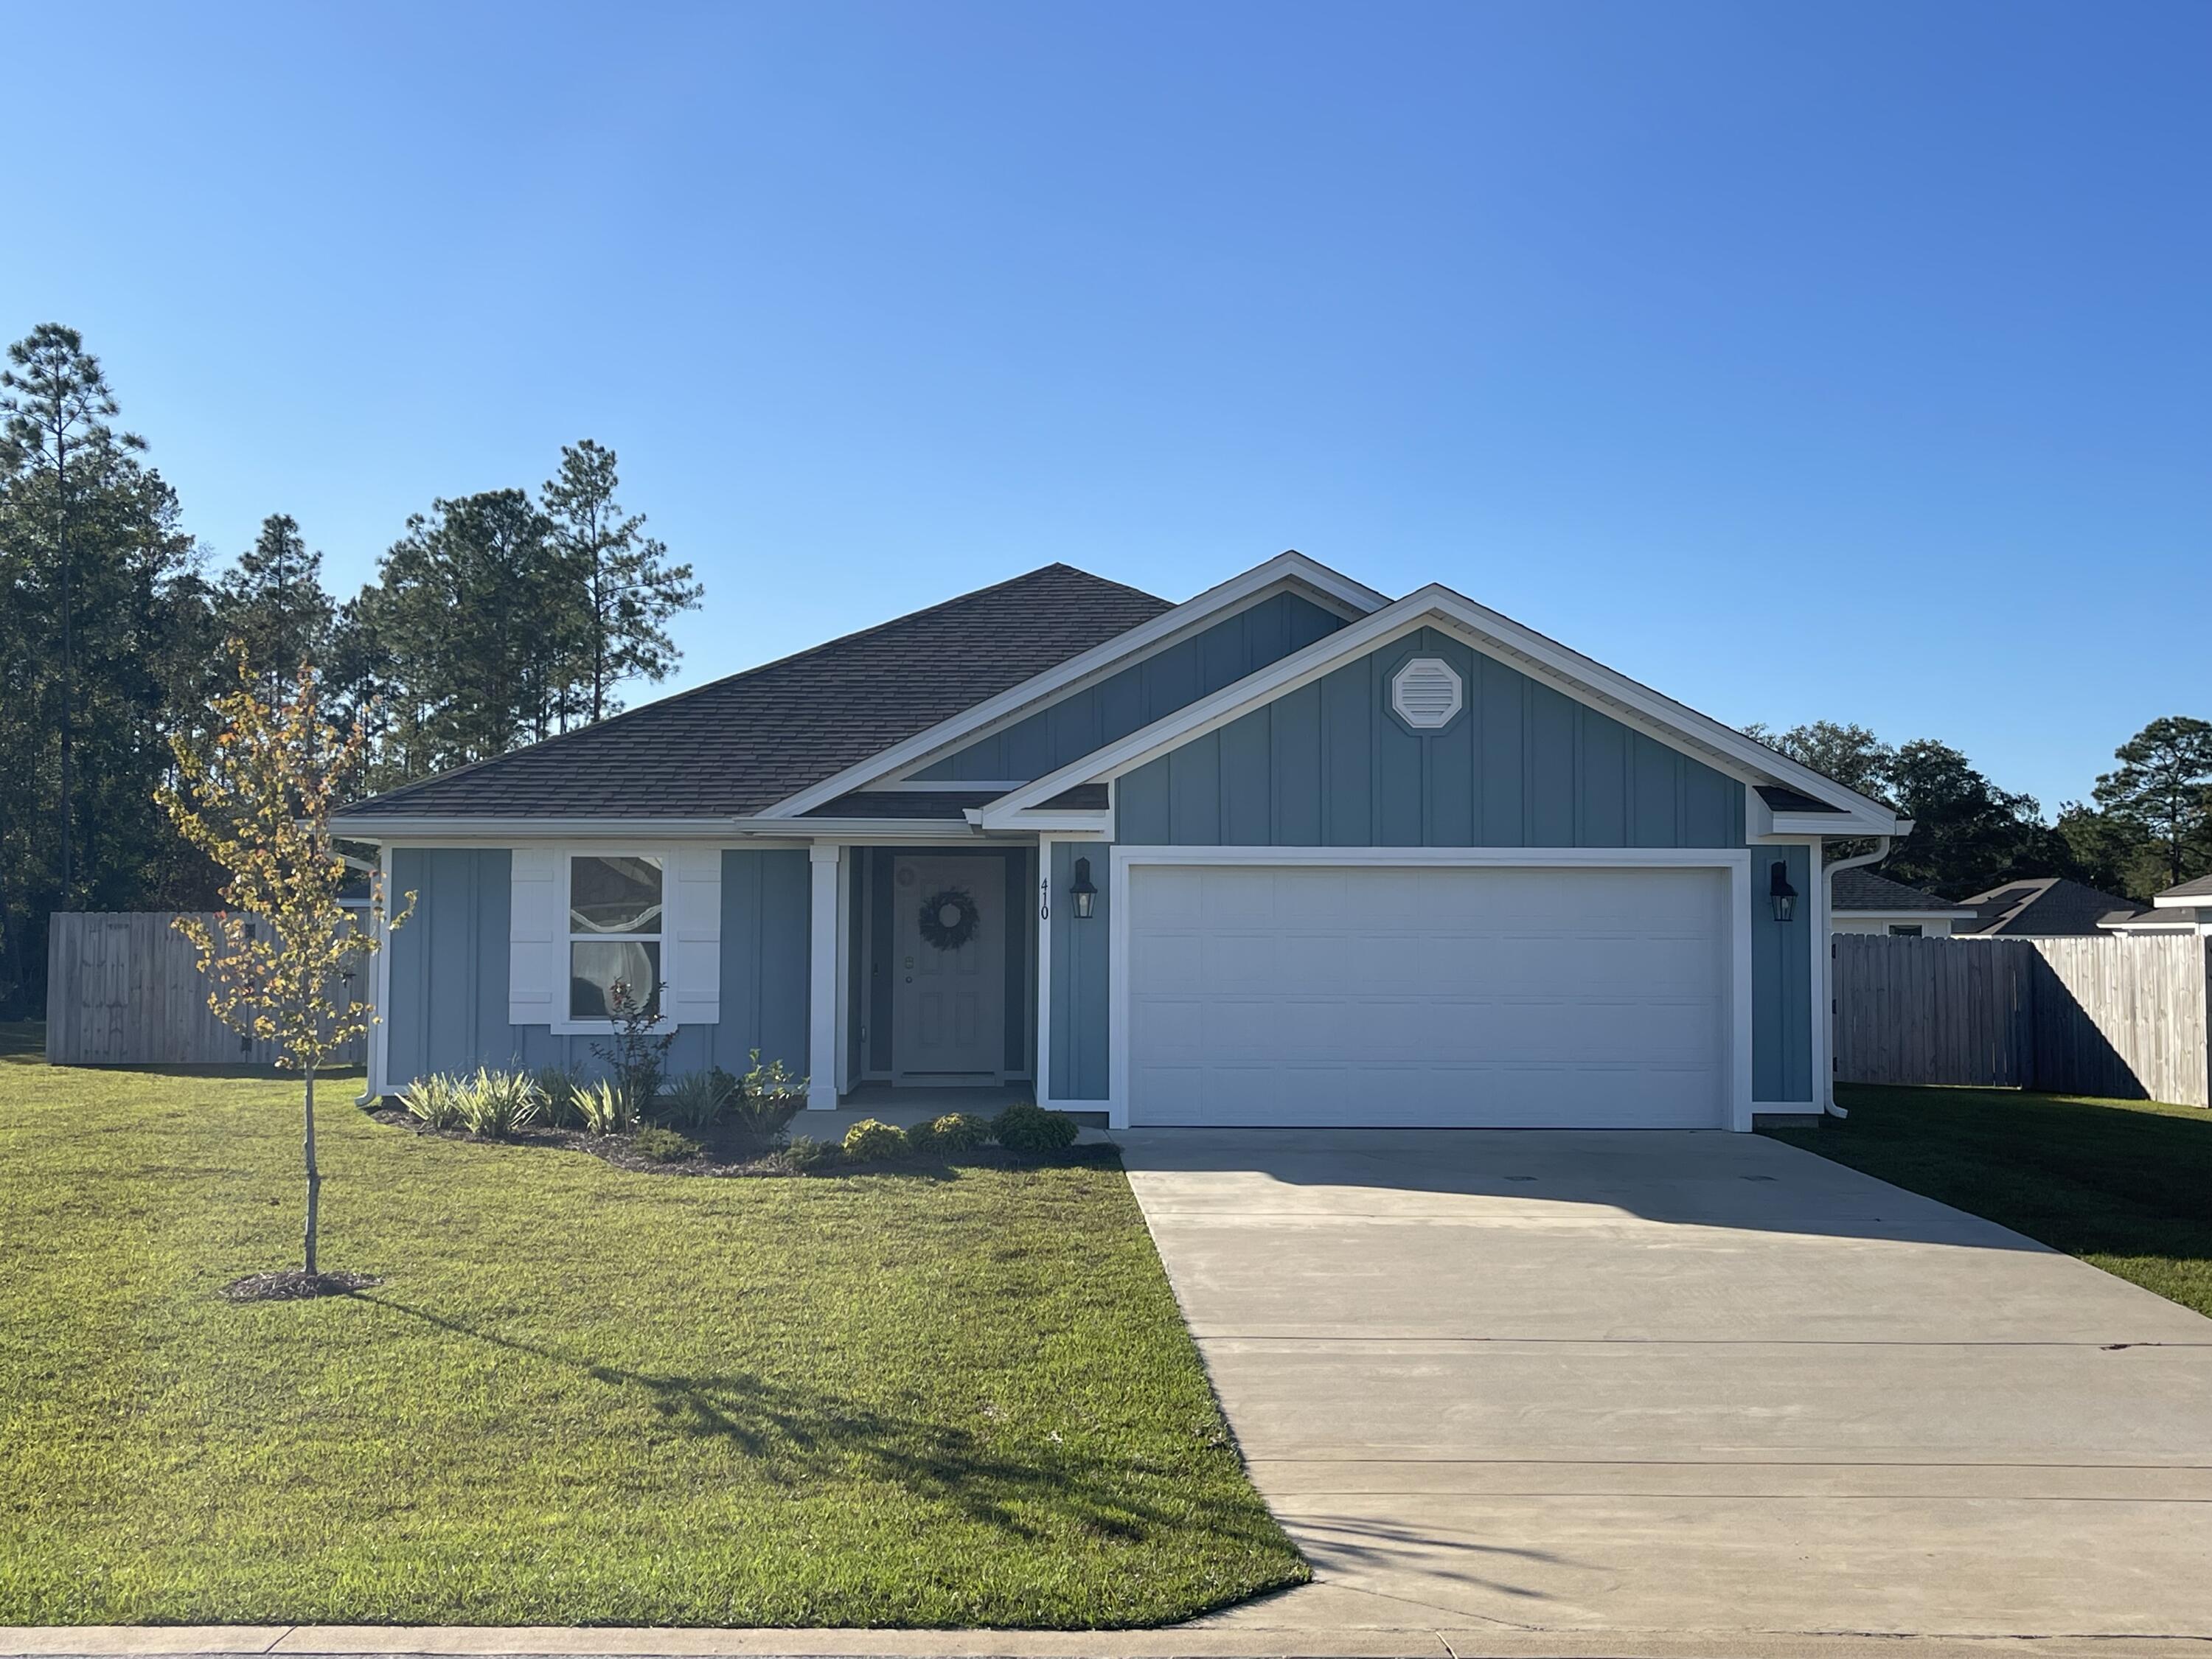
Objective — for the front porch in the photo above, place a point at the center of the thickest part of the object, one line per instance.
(922, 998)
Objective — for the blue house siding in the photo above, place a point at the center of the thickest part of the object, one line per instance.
(1781, 982)
(1142, 693)
(1079, 980)
(449, 970)
(1329, 765)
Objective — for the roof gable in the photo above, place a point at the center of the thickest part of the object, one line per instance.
(2042, 907)
(729, 748)
(1579, 678)
(1863, 889)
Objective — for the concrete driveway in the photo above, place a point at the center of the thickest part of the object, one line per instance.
(1685, 1384)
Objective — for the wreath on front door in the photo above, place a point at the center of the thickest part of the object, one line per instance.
(949, 919)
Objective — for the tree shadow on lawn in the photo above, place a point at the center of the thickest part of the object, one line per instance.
(801, 1436)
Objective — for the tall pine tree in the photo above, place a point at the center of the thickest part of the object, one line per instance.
(626, 591)
(273, 605)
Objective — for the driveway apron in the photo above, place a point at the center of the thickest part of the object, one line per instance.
(1679, 1383)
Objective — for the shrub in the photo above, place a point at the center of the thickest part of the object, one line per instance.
(605, 1108)
(766, 1098)
(663, 1146)
(1025, 1128)
(956, 1132)
(638, 1054)
(494, 1104)
(434, 1100)
(870, 1142)
(556, 1087)
(806, 1153)
(696, 1099)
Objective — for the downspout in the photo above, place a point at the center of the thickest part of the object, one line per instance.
(1828, 908)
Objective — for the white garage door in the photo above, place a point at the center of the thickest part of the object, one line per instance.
(1410, 996)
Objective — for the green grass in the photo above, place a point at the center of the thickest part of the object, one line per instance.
(583, 1396)
(2123, 1184)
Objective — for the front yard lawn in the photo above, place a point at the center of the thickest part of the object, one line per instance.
(581, 1394)
(2123, 1184)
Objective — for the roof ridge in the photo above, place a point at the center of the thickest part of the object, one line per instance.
(538, 744)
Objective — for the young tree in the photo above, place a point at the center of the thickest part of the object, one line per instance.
(274, 605)
(2163, 786)
(627, 590)
(258, 803)
(57, 403)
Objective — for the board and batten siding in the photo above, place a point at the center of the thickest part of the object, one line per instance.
(449, 970)
(1523, 765)
(1143, 692)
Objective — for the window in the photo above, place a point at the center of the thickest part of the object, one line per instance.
(1904, 930)
(615, 930)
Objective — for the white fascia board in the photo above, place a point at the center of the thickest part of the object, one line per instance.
(445, 831)
(1573, 674)
(2198, 902)
(1348, 598)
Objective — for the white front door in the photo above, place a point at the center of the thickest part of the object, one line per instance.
(1441, 996)
(948, 966)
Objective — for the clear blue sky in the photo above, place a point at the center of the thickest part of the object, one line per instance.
(1847, 360)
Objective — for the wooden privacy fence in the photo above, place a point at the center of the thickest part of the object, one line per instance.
(2122, 1017)
(124, 988)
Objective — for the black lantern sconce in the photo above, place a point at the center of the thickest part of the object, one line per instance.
(1082, 891)
(1780, 890)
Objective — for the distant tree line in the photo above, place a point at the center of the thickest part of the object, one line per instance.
(495, 619)
(2147, 825)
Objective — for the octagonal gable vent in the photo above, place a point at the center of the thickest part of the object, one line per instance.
(1426, 693)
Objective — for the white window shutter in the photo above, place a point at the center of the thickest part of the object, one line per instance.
(534, 927)
(694, 969)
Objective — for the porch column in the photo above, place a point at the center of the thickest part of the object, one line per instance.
(824, 866)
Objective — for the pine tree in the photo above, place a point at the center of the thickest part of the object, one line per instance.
(627, 590)
(2163, 786)
(274, 606)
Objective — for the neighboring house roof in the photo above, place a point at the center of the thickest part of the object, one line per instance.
(741, 742)
(2196, 891)
(1863, 889)
(2043, 905)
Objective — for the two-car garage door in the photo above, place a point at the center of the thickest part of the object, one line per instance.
(1428, 995)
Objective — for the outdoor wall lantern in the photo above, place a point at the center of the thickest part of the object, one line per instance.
(1780, 890)
(1082, 891)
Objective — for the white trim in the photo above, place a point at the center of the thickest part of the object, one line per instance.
(971, 724)
(824, 865)
(1096, 823)
(1822, 945)
(749, 831)
(1840, 912)
(1588, 682)
(380, 1034)
(1736, 861)
(563, 853)
(1048, 911)
(2167, 901)
(843, 1070)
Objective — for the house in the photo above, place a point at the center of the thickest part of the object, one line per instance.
(2042, 907)
(1288, 853)
(1865, 903)
(2183, 908)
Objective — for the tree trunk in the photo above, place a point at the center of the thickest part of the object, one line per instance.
(314, 1175)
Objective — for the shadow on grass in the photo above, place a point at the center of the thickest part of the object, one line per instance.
(801, 1435)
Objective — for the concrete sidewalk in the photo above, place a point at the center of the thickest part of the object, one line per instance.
(1183, 1641)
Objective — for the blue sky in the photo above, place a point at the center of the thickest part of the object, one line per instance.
(1844, 360)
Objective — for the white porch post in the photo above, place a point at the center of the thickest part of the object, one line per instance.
(824, 863)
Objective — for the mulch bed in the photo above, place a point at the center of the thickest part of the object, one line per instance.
(726, 1152)
(294, 1285)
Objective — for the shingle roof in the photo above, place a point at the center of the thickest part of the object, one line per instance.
(1863, 889)
(2043, 907)
(1782, 799)
(748, 741)
(2201, 887)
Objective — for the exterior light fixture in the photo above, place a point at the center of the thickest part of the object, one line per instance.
(1780, 890)
(1082, 891)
